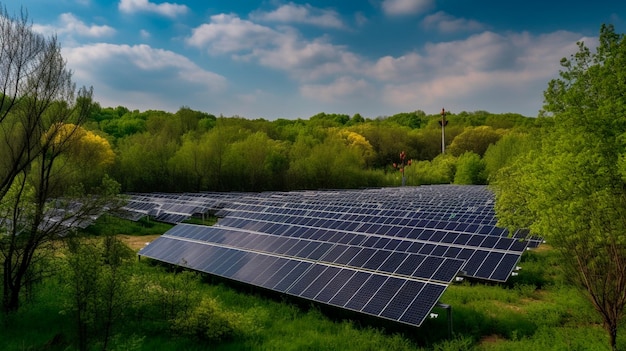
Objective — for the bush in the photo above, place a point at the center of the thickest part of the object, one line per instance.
(470, 169)
(207, 322)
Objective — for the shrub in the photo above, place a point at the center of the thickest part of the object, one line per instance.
(207, 322)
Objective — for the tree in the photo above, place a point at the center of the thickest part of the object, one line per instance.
(503, 152)
(470, 169)
(87, 158)
(255, 163)
(143, 162)
(97, 282)
(570, 189)
(37, 98)
(474, 139)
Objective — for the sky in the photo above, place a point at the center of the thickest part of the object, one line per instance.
(293, 59)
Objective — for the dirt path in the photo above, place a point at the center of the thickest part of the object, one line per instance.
(137, 242)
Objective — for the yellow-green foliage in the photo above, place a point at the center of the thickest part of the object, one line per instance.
(208, 322)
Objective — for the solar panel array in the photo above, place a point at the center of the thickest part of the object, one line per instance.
(387, 252)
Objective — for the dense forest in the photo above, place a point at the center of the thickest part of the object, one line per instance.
(196, 151)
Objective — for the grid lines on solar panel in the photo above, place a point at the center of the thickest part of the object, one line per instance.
(315, 281)
(422, 236)
(331, 253)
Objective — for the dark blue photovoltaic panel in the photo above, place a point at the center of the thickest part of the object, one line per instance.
(398, 305)
(376, 260)
(428, 297)
(386, 292)
(271, 265)
(409, 265)
(292, 276)
(347, 255)
(474, 262)
(392, 263)
(502, 272)
(489, 264)
(444, 271)
(366, 292)
(320, 251)
(280, 273)
(306, 279)
(350, 288)
(388, 252)
(429, 267)
(362, 257)
(320, 283)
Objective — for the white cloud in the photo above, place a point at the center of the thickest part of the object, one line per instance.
(228, 33)
(69, 25)
(165, 9)
(282, 49)
(295, 13)
(145, 34)
(159, 76)
(510, 68)
(406, 7)
(446, 23)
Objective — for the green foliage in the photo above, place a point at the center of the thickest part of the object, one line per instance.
(208, 321)
(97, 288)
(474, 139)
(113, 225)
(412, 120)
(569, 189)
(504, 151)
(515, 316)
(440, 170)
(470, 169)
(196, 151)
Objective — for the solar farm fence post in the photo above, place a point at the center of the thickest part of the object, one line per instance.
(448, 309)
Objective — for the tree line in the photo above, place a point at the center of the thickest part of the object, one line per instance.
(196, 151)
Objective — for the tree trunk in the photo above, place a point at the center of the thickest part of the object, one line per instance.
(612, 330)
(10, 292)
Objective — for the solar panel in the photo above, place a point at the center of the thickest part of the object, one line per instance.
(387, 252)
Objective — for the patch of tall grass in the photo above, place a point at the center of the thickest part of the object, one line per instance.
(112, 225)
(537, 310)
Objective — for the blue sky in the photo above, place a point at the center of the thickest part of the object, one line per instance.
(293, 59)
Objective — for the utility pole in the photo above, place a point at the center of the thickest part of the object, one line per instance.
(443, 124)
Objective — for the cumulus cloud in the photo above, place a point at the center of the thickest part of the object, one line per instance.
(406, 7)
(446, 23)
(164, 9)
(296, 13)
(227, 33)
(281, 49)
(512, 68)
(509, 68)
(69, 25)
(158, 76)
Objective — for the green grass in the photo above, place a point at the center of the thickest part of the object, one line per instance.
(537, 310)
(107, 224)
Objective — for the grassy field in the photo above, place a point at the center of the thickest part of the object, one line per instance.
(537, 310)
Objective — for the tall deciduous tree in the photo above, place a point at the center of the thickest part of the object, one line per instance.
(40, 112)
(474, 139)
(570, 189)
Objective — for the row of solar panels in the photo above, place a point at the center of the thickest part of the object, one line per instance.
(382, 295)
(474, 202)
(371, 251)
